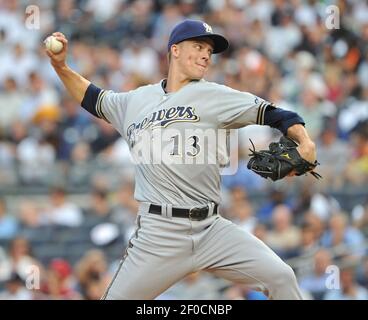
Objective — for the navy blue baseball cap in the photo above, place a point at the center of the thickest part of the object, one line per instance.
(191, 29)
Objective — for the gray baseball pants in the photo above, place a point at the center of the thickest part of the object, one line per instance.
(164, 249)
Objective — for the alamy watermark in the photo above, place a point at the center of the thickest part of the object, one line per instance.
(191, 147)
(333, 279)
(32, 280)
(332, 20)
(32, 17)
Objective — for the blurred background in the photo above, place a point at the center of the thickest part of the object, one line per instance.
(66, 178)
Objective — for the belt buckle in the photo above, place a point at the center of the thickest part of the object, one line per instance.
(198, 214)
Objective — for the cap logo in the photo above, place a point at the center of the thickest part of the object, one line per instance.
(208, 28)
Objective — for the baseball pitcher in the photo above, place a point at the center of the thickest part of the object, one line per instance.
(179, 228)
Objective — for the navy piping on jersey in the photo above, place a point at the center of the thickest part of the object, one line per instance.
(92, 101)
(130, 245)
(163, 85)
(99, 105)
(260, 113)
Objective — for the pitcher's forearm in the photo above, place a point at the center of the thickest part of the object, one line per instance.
(74, 82)
(298, 133)
(307, 147)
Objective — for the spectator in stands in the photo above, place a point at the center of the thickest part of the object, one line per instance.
(324, 205)
(19, 259)
(138, 58)
(360, 217)
(309, 242)
(357, 169)
(15, 289)
(315, 223)
(17, 132)
(242, 214)
(302, 203)
(92, 274)
(106, 136)
(60, 211)
(74, 126)
(20, 56)
(316, 282)
(39, 94)
(313, 106)
(100, 210)
(82, 165)
(58, 283)
(284, 237)
(276, 197)
(36, 157)
(126, 208)
(305, 253)
(104, 225)
(94, 289)
(8, 175)
(237, 195)
(8, 222)
(342, 238)
(12, 98)
(167, 18)
(330, 149)
(29, 214)
(349, 288)
(283, 33)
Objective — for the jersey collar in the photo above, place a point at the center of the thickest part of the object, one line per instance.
(164, 83)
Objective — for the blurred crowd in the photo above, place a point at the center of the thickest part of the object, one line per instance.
(76, 225)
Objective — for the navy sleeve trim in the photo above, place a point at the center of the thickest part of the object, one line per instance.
(92, 101)
(281, 119)
(90, 98)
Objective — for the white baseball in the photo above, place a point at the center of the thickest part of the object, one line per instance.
(53, 44)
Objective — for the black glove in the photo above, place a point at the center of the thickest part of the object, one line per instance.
(281, 158)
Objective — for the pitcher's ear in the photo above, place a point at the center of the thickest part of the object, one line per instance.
(174, 50)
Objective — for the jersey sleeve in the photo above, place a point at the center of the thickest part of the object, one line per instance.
(238, 109)
(111, 106)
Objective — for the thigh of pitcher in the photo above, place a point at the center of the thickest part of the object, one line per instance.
(144, 279)
(238, 256)
(154, 260)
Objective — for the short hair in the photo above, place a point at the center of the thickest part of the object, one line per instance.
(168, 56)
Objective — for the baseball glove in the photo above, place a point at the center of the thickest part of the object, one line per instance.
(281, 158)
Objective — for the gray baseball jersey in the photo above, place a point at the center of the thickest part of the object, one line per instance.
(205, 106)
(165, 248)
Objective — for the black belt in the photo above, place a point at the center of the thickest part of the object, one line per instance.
(196, 213)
